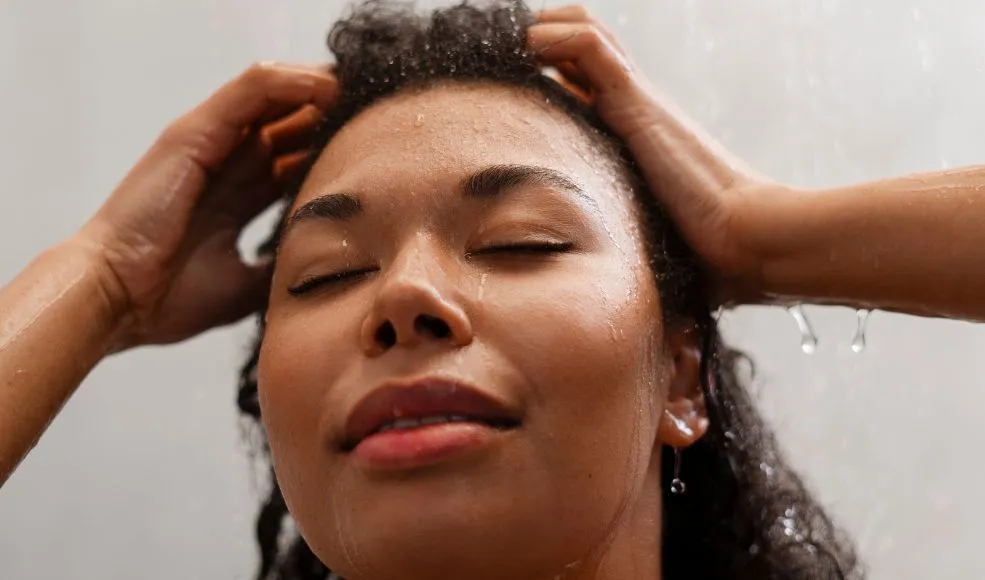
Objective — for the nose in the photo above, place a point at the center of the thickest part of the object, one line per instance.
(415, 305)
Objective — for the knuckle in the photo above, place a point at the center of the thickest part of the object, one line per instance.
(581, 12)
(593, 38)
(174, 134)
(181, 136)
(257, 72)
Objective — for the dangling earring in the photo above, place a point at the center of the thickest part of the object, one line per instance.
(677, 486)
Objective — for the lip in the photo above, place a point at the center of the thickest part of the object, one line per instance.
(423, 397)
(418, 447)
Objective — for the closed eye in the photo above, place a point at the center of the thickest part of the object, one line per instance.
(525, 248)
(315, 282)
(312, 283)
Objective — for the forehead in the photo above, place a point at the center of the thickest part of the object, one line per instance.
(430, 138)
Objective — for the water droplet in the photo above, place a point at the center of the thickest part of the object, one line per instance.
(612, 331)
(345, 243)
(677, 487)
(419, 121)
(808, 340)
(482, 285)
(858, 343)
(767, 469)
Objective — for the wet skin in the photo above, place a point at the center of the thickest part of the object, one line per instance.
(419, 204)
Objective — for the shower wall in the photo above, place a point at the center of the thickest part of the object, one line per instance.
(145, 473)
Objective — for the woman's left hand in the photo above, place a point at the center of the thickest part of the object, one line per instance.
(718, 204)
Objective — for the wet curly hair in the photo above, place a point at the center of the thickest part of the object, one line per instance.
(746, 514)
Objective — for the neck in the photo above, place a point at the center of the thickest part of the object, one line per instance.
(633, 550)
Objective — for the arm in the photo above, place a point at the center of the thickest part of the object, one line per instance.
(914, 244)
(56, 322)
(158, 262)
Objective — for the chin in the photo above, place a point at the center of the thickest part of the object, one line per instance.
(443, 546)
(440, 524)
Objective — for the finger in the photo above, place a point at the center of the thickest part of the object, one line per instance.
(250, 161)
(267, 91)
(257, 181)
(573, 74)
(278, 112)
(253, 199)
(578, 13)
(288, 167)
(256, 158)
(587, 48)
(274, 114)
(580, 89)
(212, 130)
(292, 132)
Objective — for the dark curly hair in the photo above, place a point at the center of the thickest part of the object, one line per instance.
(745, 515)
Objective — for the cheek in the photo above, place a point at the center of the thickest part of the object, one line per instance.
(590, 352)
(302, 356)
(590, 356)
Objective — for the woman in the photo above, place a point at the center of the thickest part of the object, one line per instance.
(468, 234)
(468, 224)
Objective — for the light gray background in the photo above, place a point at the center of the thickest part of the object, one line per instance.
(144, 474)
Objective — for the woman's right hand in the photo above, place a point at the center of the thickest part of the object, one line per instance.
(165, 240)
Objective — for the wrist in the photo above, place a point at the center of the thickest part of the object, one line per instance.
(111, 302)
(765, 223)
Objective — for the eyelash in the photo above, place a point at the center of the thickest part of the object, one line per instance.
(314, 282)
(525, 248)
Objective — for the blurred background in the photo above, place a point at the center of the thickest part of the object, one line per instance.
(145, 474)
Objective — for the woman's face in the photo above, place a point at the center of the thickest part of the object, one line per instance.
(485, 245)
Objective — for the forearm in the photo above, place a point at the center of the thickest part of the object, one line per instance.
(56, 323)
(914, 244)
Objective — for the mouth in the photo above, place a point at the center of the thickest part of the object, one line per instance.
(401, 425)
(409, 423)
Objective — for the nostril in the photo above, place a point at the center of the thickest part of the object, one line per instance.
(386, 335)
(432, 325)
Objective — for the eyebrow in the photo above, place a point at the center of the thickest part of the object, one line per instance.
(487, 183)
(496, 180)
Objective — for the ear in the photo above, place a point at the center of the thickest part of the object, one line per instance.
(684, 419)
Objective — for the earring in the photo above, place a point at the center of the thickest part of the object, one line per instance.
(677, 486)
